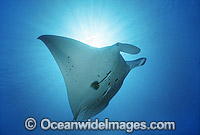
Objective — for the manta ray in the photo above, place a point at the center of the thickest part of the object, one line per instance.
(92, 75)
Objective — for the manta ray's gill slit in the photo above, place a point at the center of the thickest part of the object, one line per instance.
(105, 77)
(106, 92)
(81, 109)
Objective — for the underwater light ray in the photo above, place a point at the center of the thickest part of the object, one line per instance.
(97, 25)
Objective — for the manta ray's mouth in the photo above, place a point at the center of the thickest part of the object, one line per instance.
(96, 84)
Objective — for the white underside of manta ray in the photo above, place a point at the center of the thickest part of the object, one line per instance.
(92, 75)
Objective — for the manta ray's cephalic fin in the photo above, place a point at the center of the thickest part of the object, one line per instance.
(136, 63)
(127, 48)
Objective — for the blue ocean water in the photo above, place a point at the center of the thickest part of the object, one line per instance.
(166, 88)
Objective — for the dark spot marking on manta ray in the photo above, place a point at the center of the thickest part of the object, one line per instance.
(109, 83)
(116, 80)
(98, 75)
(68, 57)
(95, 85)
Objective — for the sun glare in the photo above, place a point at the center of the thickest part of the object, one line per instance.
(98, 25)
(96, 39)
(96, 35)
